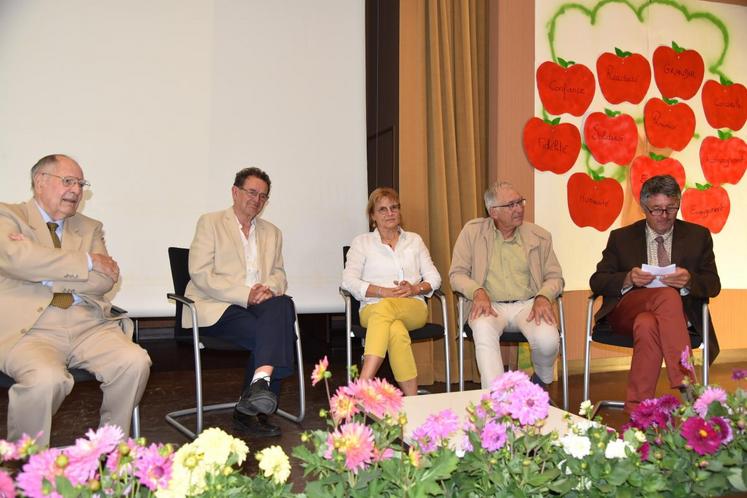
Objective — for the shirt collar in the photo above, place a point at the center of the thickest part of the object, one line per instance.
(651, 234)
(47, 218)
(515, 238)
(402, 234)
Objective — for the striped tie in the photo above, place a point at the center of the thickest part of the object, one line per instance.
(60, 299)
(661, 251)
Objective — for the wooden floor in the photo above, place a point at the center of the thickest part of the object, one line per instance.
(171, 387)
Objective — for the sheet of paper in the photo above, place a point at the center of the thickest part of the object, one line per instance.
(659, 271)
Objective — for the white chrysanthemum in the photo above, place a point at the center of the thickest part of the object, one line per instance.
(585, 408)
(576, 446)
(274, 463)
(187, 473)
(616, 449)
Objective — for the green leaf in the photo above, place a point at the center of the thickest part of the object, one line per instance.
(555, 121)
(622, 53)
(724, 134)
(670, 101)
(677, 48)
(703, 186)
(611, 113)
(656, 157)
(724, 80)
(543, 478)
(562, 62)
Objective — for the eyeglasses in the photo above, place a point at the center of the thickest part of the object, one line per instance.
(514, 204)
(661, 211)
(69, 181)
(254, 194)
(394, 208)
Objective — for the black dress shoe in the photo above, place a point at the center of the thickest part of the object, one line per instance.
(258, 399)
(256, 426)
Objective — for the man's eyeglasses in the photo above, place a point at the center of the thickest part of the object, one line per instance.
(394, 208)
(254, 194)
(512, 205)
(69, 181)
(662, 211)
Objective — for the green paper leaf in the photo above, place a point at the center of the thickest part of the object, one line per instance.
(611, 113)
(703, 186)
(562, 62)
(724, 80)
(724, 134)
(656, 157)
(622, 53)
(670, 101)
(677, 48)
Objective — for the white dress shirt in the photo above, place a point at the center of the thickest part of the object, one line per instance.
(372, 262)
(250, 253)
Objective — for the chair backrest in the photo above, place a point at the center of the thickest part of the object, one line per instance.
(179, 261)
(354, 304)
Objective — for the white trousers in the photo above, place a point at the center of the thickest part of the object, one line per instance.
(543, 340)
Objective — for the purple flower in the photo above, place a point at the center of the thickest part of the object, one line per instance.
(85, 456)
(739, 373)
(722, 425)
(493, 436)
(152, 468)
(529, 404)
(685, 360)
(40, 467)
(436, 429)
(7, 489)
(644, 450)
(655, 412)
(701, 436)
(710, 395)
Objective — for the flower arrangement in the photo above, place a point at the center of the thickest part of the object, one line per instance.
(103, 465)
(502, 448)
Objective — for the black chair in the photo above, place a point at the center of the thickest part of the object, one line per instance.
(603, 333)
(428, 331)
(81, 375)
(179, 261)
(465, 332)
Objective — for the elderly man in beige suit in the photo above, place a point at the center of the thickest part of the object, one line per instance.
(508, 269)
(54, 272)
(238, 284)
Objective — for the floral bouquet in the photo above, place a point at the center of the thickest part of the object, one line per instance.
(103, 465)
(364, 453)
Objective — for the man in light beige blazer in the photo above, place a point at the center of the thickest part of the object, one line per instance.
(238, 285)
(54, 272)
(508, 270)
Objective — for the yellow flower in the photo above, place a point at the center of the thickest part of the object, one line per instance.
(274, 463)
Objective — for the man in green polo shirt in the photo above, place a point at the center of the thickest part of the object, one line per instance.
(509, 271)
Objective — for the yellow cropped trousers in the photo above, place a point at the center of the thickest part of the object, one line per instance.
(387, 323)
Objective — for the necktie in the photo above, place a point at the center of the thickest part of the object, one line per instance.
(60, 299)
(661, 252)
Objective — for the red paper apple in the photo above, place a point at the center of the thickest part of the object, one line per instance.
(623, 76)
(706, 205)
(594, 202)
(723, 159)
(645, 167)
(611, 137)
(725, 104)
(565, 88)
(668, 123)
(550, 146)
(677, 72)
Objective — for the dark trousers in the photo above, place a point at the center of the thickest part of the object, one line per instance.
(267, 330)
(656, 321)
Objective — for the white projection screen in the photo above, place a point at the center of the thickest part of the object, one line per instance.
(161, 102)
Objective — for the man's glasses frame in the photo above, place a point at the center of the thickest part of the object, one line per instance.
(657, 211)
(69, 181)
(511, 205)
(254, 194)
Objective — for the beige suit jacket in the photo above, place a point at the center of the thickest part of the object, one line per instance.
(217, 266)
(474, 247)
(25, 264)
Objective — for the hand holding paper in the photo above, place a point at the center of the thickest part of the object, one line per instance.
(658, 272)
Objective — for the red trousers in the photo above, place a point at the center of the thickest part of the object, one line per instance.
(656, 321)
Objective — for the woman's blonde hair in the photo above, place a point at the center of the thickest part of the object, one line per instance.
(375, 197)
